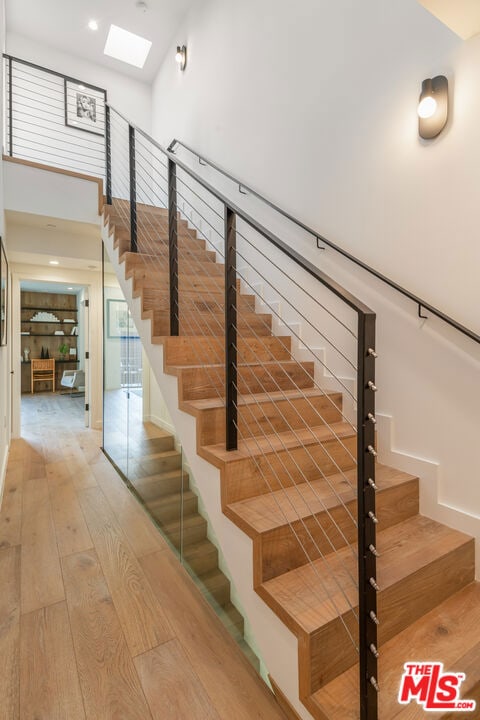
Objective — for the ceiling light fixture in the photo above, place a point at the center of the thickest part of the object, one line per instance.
(92, 25)
(432, 107)
(127, 47)
(181, 56)
(71, 288)
(53, 262)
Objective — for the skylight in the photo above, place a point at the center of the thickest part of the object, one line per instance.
(126, 46)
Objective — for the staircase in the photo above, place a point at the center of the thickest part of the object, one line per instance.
(155, 471)
(290, 488)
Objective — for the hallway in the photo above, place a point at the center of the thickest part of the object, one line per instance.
(97, 618)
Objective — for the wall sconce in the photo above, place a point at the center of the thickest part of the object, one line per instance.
(181, 57)
(433, 107)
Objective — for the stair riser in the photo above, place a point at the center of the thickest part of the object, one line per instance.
(147, 447)
(155, 466)
(268, 417)
(180, 351)
(122, 242)
(190, 535)
(278, 551)
(185, 267)
(155, 300)
(201, 383)
(173, 510)
(247, 478)
(220, 591)
(203, 285)
(161, 255)
(330, 652)
(204, 564)
(194, 323)
(153, 489)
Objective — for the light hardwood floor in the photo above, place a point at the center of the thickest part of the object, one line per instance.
(98, 620)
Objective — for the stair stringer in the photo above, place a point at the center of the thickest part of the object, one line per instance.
(277, 644)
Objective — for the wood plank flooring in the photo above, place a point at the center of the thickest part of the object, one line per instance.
(98, 621)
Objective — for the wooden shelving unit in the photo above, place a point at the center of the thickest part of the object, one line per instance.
(41, 333)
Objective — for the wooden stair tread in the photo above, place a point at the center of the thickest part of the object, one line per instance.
(304, 595)
(442, 635)
(255, 398)
(288, 440)
(272, 510)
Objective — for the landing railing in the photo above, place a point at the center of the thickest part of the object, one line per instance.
(53, 119)
(335, 353)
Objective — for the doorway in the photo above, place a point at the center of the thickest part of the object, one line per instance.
(54, 384)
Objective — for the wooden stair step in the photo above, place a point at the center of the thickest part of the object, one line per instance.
(201, 557)
(157, 485)
(148, 446)
(303, 521)
(169, 507)
(193, 529)
(266, 413)
(281, 460)
(250, 655)
(197, 382)
(233, 620)
(155, 464)
(193, 322)
(185, 267)
(267, 512)
(159, 299)
(278, 442)
(187, 351)
(186, 282)
(138, 259)
(421, 563)
(442, 635)
(217, 585)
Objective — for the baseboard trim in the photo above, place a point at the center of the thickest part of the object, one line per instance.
(3, 472)
(290, 713)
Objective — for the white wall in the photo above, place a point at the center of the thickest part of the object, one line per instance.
(317, 109)
(129, 96)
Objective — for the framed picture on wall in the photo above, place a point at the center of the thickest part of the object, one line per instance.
(84, 107)
(3, 294)
(119, 321)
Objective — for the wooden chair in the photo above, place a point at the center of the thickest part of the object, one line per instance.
(43, 371)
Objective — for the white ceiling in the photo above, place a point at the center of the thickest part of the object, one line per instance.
(62, 24)
(461, 16)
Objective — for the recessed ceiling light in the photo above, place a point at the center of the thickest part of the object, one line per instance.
(70, 288)
(126, 46)
(53, 262)
(93, 25)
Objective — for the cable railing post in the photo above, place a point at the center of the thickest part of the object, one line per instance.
(231, 385)
(133, 189)
(367, 520)
(173, 247)
(108, 156)
(10, 109)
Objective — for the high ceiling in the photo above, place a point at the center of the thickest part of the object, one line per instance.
(62, 24)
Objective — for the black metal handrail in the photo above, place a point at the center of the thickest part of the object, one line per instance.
(243, 188)
(366, 356)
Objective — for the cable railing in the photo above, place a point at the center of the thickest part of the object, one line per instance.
(189, 297)
(53, 119)
(321, 241)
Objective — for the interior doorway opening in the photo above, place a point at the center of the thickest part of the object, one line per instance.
(54, 332)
